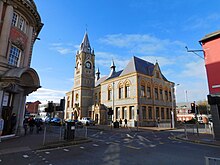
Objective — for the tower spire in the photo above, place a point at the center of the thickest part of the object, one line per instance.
(85, 45)
(97, 74)
(112, 68)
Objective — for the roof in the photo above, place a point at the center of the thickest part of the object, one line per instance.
(211, 36)
(138, 65)
(135, 65)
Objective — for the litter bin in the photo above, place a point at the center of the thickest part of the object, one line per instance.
(116, 124)
(69, 132)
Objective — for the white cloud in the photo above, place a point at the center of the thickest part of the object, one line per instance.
(195, 70)
(142, 44)
(44, 95)
(62, 48)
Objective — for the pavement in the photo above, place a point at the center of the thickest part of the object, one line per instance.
(13, 143)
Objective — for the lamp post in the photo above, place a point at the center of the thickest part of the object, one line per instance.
(172, 100)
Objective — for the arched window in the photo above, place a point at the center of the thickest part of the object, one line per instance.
(156, 95)
(161, 93)
(109, 93)
(120, 91)
(148, 91)
(127, 90)
(77, 97)
(143, 90)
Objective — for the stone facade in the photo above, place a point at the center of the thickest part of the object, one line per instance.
(20, 24)
(140, 93)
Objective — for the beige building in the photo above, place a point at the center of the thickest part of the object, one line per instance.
(20, 24)
(139, 93)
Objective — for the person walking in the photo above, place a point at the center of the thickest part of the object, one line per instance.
(1, 127)
(31, 124)
(13, 122)
(25, 125)
(126, 123)
(120, 122)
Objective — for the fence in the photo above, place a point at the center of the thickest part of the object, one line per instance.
(53, 134)
(212, 161)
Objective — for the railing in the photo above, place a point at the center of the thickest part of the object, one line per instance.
(53, 134)
(212, 161)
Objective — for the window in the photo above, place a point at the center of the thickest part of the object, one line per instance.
(127, 91)
(109, 94)
(124, 112)
(157, 112)
(166, 95)
(120, 92)
(117, 112)
(77, 97)
(161, 94)
(148, 92)
(18, 21)
(14, 56)
(156, 93)
(162, 113)
(170, 97)
(150, 113)
(143, 91)
(168, 113)
(131, 112)
(144, 113)
(14, 19)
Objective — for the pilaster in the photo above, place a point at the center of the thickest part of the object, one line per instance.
(6, 31)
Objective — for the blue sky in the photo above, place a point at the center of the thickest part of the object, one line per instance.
(154, 30)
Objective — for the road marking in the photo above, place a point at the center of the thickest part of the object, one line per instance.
(25, 156)
(152, 145)
(95, 145)
(66, 150)
(132, 147)
(47, 153)
(82, 147)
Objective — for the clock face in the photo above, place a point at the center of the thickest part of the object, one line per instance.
(88, 65)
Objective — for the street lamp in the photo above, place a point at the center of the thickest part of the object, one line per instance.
(172, 100)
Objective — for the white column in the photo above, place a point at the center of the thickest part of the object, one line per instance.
(28, 51)
(1, 99)
(6, 28)
(1, 8)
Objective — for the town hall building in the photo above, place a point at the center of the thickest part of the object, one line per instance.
(139, 93)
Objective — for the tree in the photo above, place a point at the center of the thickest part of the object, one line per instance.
(203, 107)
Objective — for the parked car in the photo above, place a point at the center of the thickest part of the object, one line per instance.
(78, 123)
(87, 121)
(56, 121)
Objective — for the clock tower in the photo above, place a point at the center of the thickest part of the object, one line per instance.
(84, 78)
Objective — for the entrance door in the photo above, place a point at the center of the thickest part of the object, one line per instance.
(6, 115)
(96, 118)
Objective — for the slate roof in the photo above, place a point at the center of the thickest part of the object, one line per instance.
(135, 65)
(138, 65)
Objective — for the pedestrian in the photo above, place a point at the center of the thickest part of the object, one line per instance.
(120, 122)
(158, 122)
(25, 125)
(126, 123)
(38, 124)
(1, 127)
(31, 124)
(13, 122)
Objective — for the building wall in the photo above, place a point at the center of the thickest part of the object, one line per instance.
(20, 24)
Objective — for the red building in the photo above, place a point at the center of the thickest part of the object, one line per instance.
(33, 107)
(211, 48)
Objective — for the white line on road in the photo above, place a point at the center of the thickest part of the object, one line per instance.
(95, 145)
(25, 156)
(66, 150)
(82, 147)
